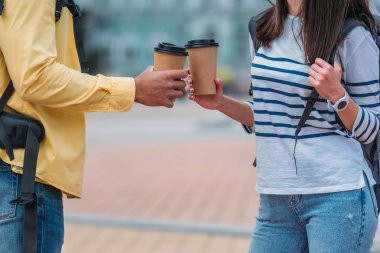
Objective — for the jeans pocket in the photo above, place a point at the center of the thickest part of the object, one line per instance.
(374, 200)
(8, 192)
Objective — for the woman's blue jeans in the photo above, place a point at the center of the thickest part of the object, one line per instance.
(342, 222)
(50, 215)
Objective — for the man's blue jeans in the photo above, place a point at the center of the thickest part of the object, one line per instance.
(50, 215)
(342, 222)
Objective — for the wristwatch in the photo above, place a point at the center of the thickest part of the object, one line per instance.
(341, 104)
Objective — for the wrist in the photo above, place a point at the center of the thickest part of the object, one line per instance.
(339, 95)
(341, 104)
(220, 104)
(137, 85)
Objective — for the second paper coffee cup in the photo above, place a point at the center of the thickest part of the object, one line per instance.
(203, 57)
(169, 57)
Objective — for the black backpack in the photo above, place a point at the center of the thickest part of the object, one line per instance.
(371, 151)
(18, 131)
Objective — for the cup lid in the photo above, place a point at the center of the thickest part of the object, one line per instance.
(201, 43)
(170, 49)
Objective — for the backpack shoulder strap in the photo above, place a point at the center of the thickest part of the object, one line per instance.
(377, 20)
(78, 34)
(76, 13)
(256, 44)
(349, 25)
(70, 4)
(58, 9)
(1, 6)
(252, 31)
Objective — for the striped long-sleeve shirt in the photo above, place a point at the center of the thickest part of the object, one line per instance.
(329, 158)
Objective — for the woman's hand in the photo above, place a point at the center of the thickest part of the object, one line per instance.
(211, 102)
(326, 79)
(234, 109)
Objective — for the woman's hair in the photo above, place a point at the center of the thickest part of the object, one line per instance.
(322, 22)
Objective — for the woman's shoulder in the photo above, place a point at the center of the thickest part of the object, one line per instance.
(359, 43)
(359, 55)
(357, 37)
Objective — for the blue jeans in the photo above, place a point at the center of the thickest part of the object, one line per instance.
(341, 222)
(50, 215)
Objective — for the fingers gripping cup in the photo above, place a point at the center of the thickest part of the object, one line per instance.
(169, 57)
(203, 57)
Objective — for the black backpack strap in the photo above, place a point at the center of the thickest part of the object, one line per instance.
(349, 25)
(28, 197)
(58, 9)
(306, 113)
(310, 103)
(308, 109)
(252, 31)
(256, 44)
(377, 20)
(1, 6)
(6, 95)
(76, 13)
(3, 134)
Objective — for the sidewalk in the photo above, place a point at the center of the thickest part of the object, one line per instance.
(88, 239)
(183, 166)
(195, 173)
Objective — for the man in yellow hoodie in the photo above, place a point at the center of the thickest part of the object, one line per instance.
(39, 55)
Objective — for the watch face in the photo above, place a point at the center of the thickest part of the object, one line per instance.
(342, 105)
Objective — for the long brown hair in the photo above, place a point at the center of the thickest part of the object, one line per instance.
(322, 22)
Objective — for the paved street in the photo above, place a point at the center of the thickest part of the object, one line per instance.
(161, 180)
(90, 239)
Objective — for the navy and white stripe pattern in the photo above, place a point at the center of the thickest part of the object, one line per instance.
(366, 95)
(280, 95)
(329, 158)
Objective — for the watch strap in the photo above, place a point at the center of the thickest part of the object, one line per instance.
(341, 104)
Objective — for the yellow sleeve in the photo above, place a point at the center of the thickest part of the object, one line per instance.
(28, 44)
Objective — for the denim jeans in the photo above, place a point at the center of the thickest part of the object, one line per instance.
(341, 222)
(50, 215)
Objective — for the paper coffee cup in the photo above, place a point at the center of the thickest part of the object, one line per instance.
(203, 57)
(169, 57)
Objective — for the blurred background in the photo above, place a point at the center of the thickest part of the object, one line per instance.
(121, 35)
(166, 180)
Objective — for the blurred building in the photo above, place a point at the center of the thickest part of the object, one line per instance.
(121, 34)
(375, 6)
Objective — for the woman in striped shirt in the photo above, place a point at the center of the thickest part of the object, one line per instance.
(316, 196)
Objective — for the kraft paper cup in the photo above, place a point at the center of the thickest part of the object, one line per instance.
(169, 57)
(203, 57)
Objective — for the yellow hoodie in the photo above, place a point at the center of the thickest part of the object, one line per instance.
(40, 57)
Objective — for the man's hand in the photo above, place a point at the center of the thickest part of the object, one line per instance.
(160, 88)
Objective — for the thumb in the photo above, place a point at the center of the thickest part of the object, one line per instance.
(218, 83)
